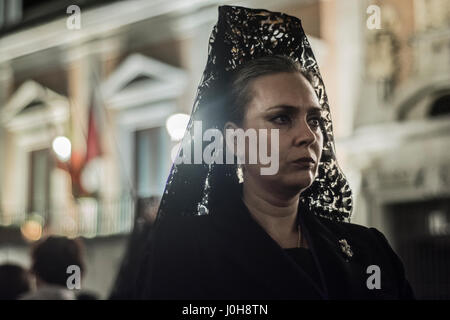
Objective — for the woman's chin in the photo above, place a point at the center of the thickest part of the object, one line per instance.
(299, 181)
(290, 182)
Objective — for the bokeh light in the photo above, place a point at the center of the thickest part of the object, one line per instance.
(62, 147)
(176, 125)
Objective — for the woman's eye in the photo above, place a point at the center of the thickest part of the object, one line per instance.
(281, 119)
(315, 122)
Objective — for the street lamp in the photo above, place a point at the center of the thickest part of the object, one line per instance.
(62, 147)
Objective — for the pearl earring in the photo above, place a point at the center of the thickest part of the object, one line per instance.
(240, 173)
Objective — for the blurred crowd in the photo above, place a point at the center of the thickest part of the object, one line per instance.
(57, 261)
(49, 276)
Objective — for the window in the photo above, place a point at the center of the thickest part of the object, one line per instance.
(39, 182)
(151, 161)
(441, 106)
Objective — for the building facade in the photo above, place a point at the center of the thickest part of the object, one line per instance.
(385, 64)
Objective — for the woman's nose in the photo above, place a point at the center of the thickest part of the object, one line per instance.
(304, 135)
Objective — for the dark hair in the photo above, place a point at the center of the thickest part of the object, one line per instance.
(242, 78)
(14, 281)
(52, 256)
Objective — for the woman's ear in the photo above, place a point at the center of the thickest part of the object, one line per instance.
(230, 140)
(230, 125)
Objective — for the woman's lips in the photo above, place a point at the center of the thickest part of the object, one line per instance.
(304, 163)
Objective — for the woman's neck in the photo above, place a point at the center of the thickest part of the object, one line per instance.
(277, 215)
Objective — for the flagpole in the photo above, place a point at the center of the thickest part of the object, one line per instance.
(105, 118)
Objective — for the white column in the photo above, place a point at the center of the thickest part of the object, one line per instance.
(6, 78)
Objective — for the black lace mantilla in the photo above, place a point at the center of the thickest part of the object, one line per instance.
(242, 34)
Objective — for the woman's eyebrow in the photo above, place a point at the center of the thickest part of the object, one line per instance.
(315, 109)
(284, 107)
(292, 109)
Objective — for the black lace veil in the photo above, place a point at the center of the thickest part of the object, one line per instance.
(242, 34)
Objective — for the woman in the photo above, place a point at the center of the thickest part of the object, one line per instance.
(226, 231)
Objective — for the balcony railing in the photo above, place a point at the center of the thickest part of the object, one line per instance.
(88, 217)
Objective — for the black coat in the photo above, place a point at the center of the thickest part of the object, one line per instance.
(227, 255)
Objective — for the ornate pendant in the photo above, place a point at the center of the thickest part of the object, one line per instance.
(346, 249)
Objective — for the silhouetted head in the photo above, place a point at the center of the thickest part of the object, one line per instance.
(14, 281)
(52, 257)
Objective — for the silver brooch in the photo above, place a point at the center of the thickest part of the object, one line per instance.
(345, 247)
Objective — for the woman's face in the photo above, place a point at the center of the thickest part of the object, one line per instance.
(286, 101)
